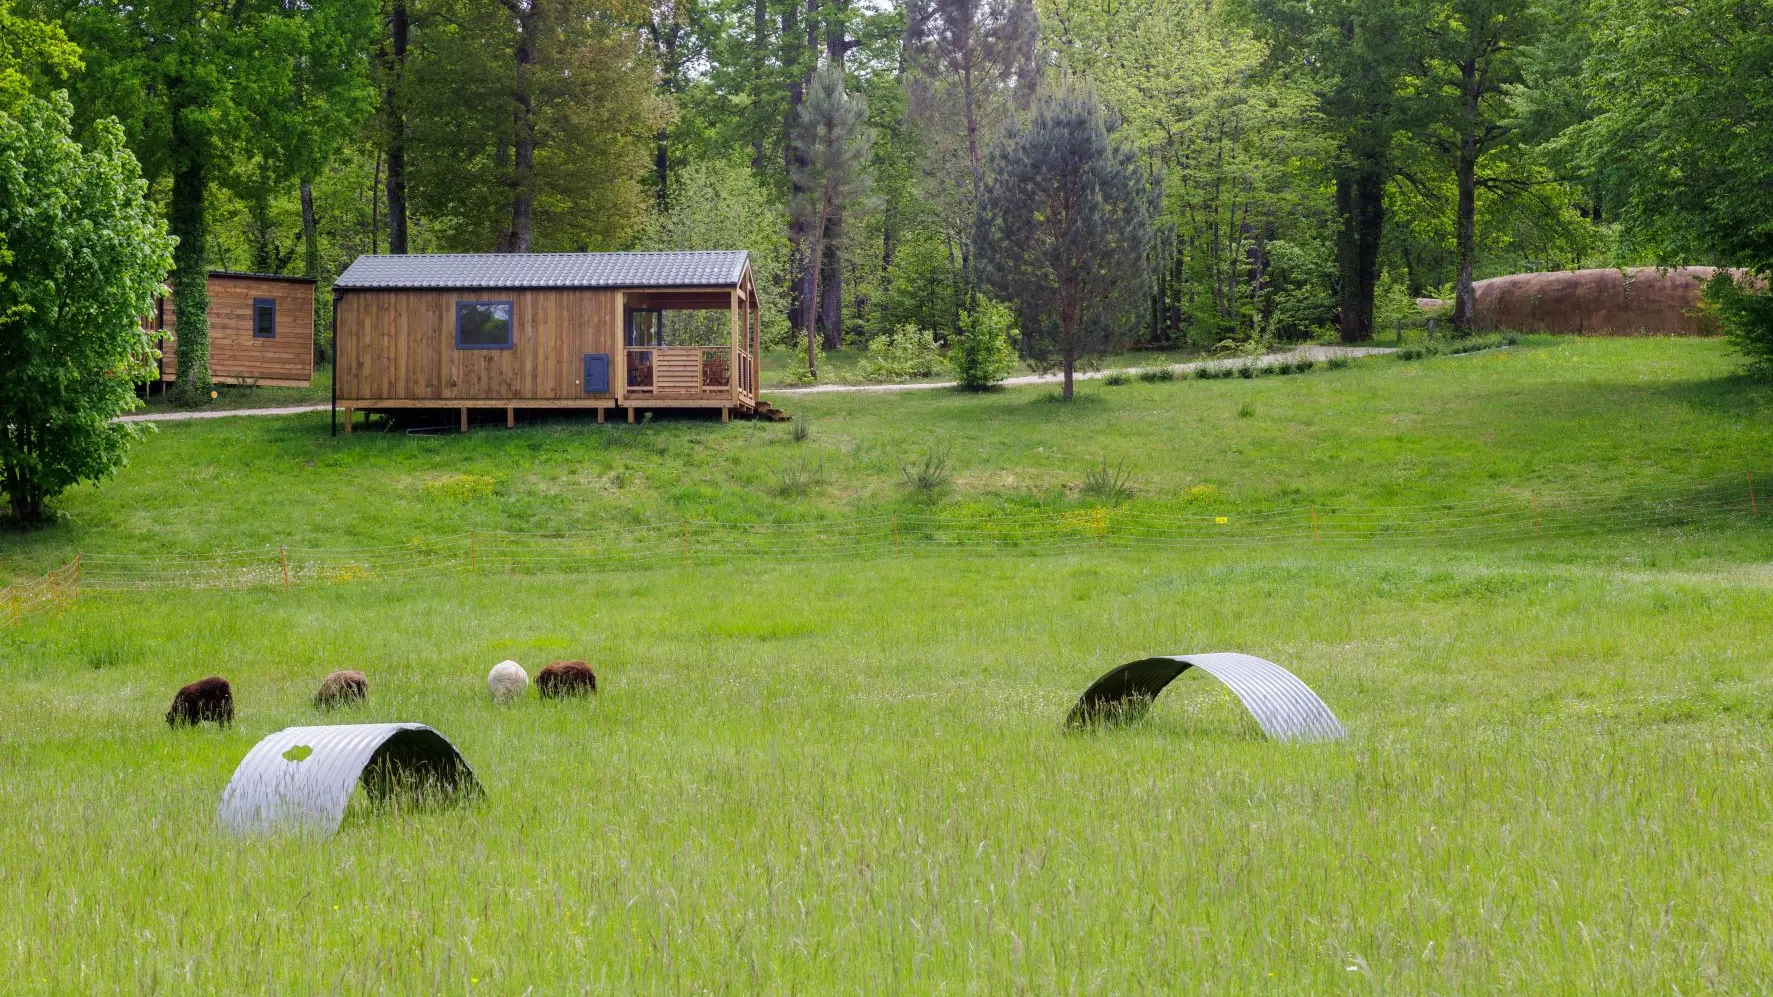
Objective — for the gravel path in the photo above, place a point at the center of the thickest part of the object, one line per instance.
(1303, 352)
(1311, 352)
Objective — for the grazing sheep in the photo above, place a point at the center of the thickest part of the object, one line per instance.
(566, 678)
(209, 699)
(506, 681)
(342, 688)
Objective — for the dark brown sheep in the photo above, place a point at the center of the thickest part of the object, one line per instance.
(209, 699)
(341, 689)
(566, 678)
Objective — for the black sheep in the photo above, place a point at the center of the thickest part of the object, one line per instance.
(209, 699)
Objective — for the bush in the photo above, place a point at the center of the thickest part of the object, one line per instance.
(1246, 371)
(931, 476)
(798, 373)
(1745, 313)
(906, 353)
(1155, 375)
(983, 353)
(1117, 378)
(1111, 483)
(1336, 363)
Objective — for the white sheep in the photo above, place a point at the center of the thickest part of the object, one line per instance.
(506, 681)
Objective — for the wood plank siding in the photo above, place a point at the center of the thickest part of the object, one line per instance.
(396, 345)
(399, 345)
(236, 356)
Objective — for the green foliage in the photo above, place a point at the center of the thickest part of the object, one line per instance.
(1299, 300)
(924, 287)
(1117, 379)
(1157, 375)
(591, 114)
(983, 353)
(1744, 310)
(829, 173)
(33, 53)
(1064, 230)
(82, 255)
(905, 354)
(1679, 140)
(720, 205)
(800, 372)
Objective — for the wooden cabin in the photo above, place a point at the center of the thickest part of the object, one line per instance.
(261, 330)
(547, 331)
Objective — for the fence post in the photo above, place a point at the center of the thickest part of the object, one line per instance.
(283, 555)
(1753, 506)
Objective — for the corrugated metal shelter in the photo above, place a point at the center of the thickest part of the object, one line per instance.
(547, 331)
(1285, 708)
(301, 778)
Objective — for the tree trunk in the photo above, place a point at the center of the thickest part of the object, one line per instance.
(1360, 203)
(815, 255)
(395, 119)
(1070, 361)
(310, 245)
(188, 221)
(831, 289)
(523, 159)
(1465, 239)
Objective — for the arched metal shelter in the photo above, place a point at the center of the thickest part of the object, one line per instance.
(302, 777)
(1284, 707)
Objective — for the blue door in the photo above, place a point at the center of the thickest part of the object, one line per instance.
(596, 373)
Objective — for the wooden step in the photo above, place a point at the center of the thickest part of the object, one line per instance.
(769, 413)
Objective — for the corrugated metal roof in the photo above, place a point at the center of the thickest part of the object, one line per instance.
(302, 777)
(712, 268)
(1285, 708)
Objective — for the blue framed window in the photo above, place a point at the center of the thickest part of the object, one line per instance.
(264, 318)
(483, 325)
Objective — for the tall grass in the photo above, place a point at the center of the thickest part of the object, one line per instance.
(816, 779)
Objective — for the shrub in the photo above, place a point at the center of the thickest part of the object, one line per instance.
(1336, 363)
(931, 476)
(983, 353)
(906, 353)
(1154, 375)
(1246, 410)
(1246, 371)
(798, 373)
(1205, 373)
(801, 429)
(1111, 483)
(1117, 378)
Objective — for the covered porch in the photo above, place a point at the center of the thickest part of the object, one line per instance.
(691, 348)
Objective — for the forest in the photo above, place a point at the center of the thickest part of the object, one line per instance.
(1317, 165)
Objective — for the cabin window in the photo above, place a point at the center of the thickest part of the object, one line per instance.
(264, 318)
(483, 325)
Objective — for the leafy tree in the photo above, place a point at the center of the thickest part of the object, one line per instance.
(1461, 107)
(530, 122)
(1241, 151)
(186, 78)
(831, 142)
(1681, 141)
(983, 353)
(32, 53)
(715, 205)
(1353, 55)
(1064, 232)
(82, 255)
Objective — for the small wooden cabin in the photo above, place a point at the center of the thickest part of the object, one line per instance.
(261, 330)
(547, 331)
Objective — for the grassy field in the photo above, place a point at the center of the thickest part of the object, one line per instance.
(835, 776)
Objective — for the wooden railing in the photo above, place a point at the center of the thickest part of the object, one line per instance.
(687, 371)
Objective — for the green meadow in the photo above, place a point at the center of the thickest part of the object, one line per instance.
(818, 774)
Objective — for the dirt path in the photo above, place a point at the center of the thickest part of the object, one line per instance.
(1311, 352)
(1303, 352)
(218, 413)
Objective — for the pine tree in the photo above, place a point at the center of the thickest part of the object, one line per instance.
(1064, 232)
(831, 142)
